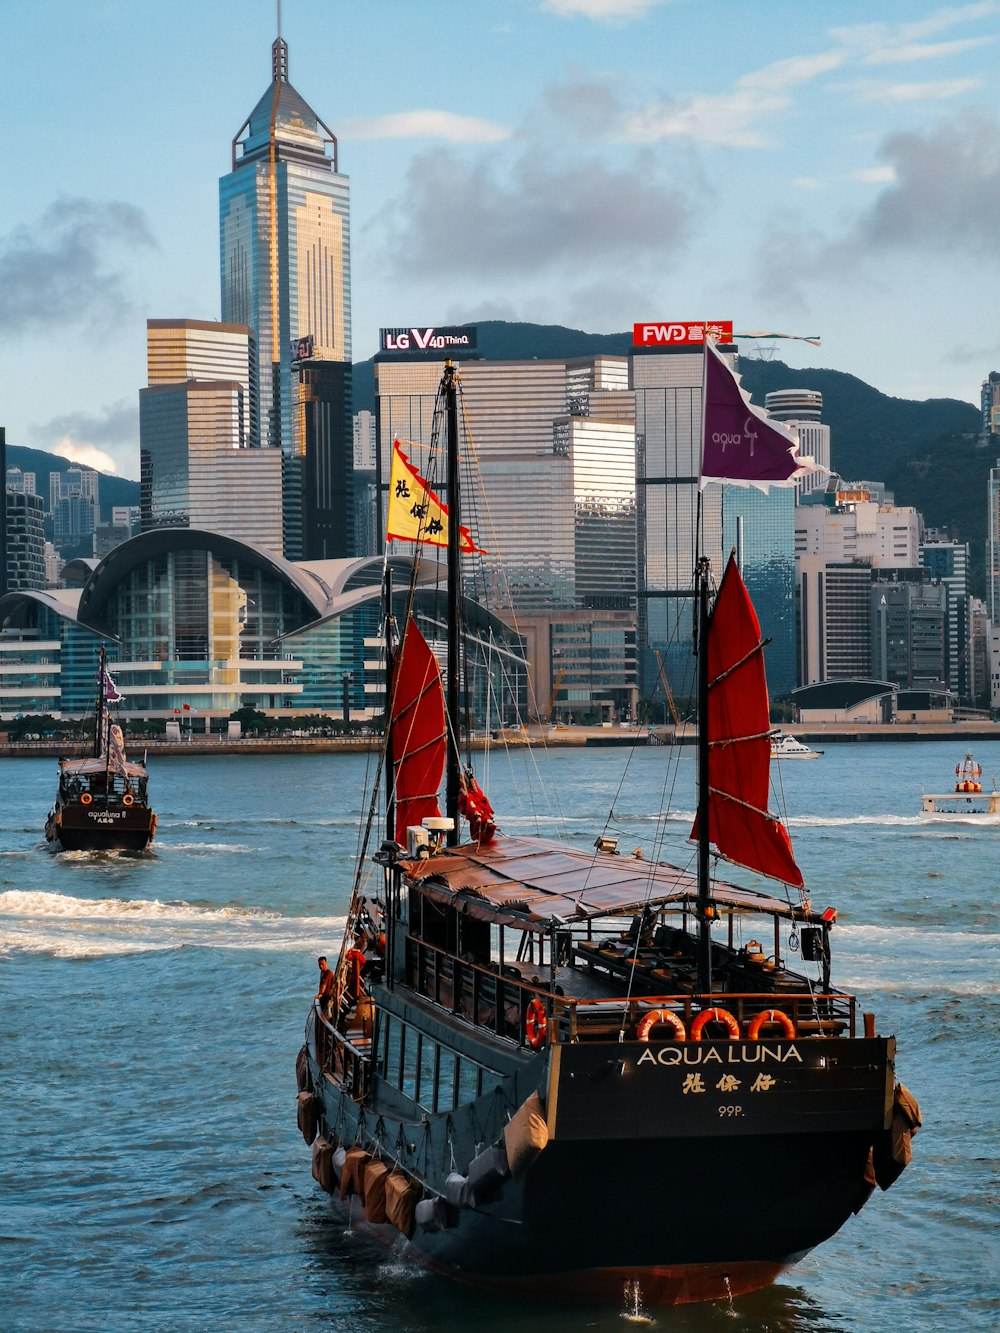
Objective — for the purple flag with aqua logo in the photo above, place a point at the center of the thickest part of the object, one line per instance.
(742, 445)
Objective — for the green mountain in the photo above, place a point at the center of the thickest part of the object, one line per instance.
(927, 453)
(112, 491)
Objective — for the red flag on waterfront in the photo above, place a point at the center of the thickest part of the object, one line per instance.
(741, 444)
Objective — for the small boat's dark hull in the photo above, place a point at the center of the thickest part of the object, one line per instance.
(98, 828)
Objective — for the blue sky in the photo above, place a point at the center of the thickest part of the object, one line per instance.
(793, 166)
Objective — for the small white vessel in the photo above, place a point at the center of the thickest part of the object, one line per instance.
(968, 799)
(784, 746)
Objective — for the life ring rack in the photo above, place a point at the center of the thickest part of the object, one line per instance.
(536, 1024)
(769, 1018)
(657, 1016)
(715, 1015)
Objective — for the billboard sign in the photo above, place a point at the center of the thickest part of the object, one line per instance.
(427, 339)
(302, 348)
(682, 333)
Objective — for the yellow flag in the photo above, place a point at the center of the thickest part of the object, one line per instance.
(415, 512)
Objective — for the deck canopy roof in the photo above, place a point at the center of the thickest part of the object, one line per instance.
(90, 766)
(536, 883)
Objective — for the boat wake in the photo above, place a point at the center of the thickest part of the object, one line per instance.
(62, 926)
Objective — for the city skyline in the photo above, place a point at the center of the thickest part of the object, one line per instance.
(585, 162)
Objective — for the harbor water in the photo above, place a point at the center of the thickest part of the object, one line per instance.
(151, 1008)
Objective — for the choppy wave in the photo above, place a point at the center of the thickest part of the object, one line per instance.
(66, 927)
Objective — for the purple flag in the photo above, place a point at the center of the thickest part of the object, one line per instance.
(741, 444)
(111, 690)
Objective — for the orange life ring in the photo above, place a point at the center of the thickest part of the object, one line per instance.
(128, 799)
(715, 1016)
(535, 1024)
(85, 798)
(766, 1018)
(657, 1016)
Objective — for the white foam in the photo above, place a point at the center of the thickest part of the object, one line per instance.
(67, 927)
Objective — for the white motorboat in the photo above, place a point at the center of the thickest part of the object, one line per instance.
(784, 746)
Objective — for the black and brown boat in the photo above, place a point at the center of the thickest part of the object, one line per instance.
(557, 1070)
(102, 801)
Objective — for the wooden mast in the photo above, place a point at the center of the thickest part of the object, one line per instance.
(449, 388)
(703, 911)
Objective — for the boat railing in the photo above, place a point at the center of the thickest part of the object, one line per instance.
(811, 1015)
(498, 999)
(344, 1055)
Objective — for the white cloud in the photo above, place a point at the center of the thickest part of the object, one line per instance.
(87, 455)
(604, 11)
(940, 91)
(730, 119)
(807, 183)
(875, 175)
(427, 124)
(906, 51)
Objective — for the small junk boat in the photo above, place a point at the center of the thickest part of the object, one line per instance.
(556, 1070)
(102, 803)
(968, 800)
(784, 746)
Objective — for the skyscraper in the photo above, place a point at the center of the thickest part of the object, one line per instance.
(197, 419)
(668, 395)
(284, 221)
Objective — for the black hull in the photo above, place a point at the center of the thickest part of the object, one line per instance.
(642, 1181)
(79, 828)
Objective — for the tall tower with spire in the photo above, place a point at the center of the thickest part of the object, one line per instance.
(284, 224)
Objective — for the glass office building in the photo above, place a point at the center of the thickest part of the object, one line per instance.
(668, 388)
(202, 624)
(284, 216)
(548, 490)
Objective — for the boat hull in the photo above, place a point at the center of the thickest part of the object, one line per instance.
(96, 828)
(645, 1181)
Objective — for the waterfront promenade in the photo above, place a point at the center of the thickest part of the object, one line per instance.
(830, 733)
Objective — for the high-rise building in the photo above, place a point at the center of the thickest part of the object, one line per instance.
(24, 541)
(990, 403)
(22, 482)
(193, 472)
(850, 526)
(668, 391)
(836, 619)
(3, 514)
(801, 409)
(197, 423)
(178, 350)
(948, 562)
(284, 219)
(548, 489)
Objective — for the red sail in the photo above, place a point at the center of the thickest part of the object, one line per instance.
(739, 740)
(419, 737)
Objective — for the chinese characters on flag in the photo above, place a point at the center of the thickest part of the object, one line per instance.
(415, 512)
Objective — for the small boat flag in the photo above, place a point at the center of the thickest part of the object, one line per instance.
(111, 694)
(415, 512)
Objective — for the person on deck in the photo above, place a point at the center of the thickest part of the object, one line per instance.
(326, 981)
